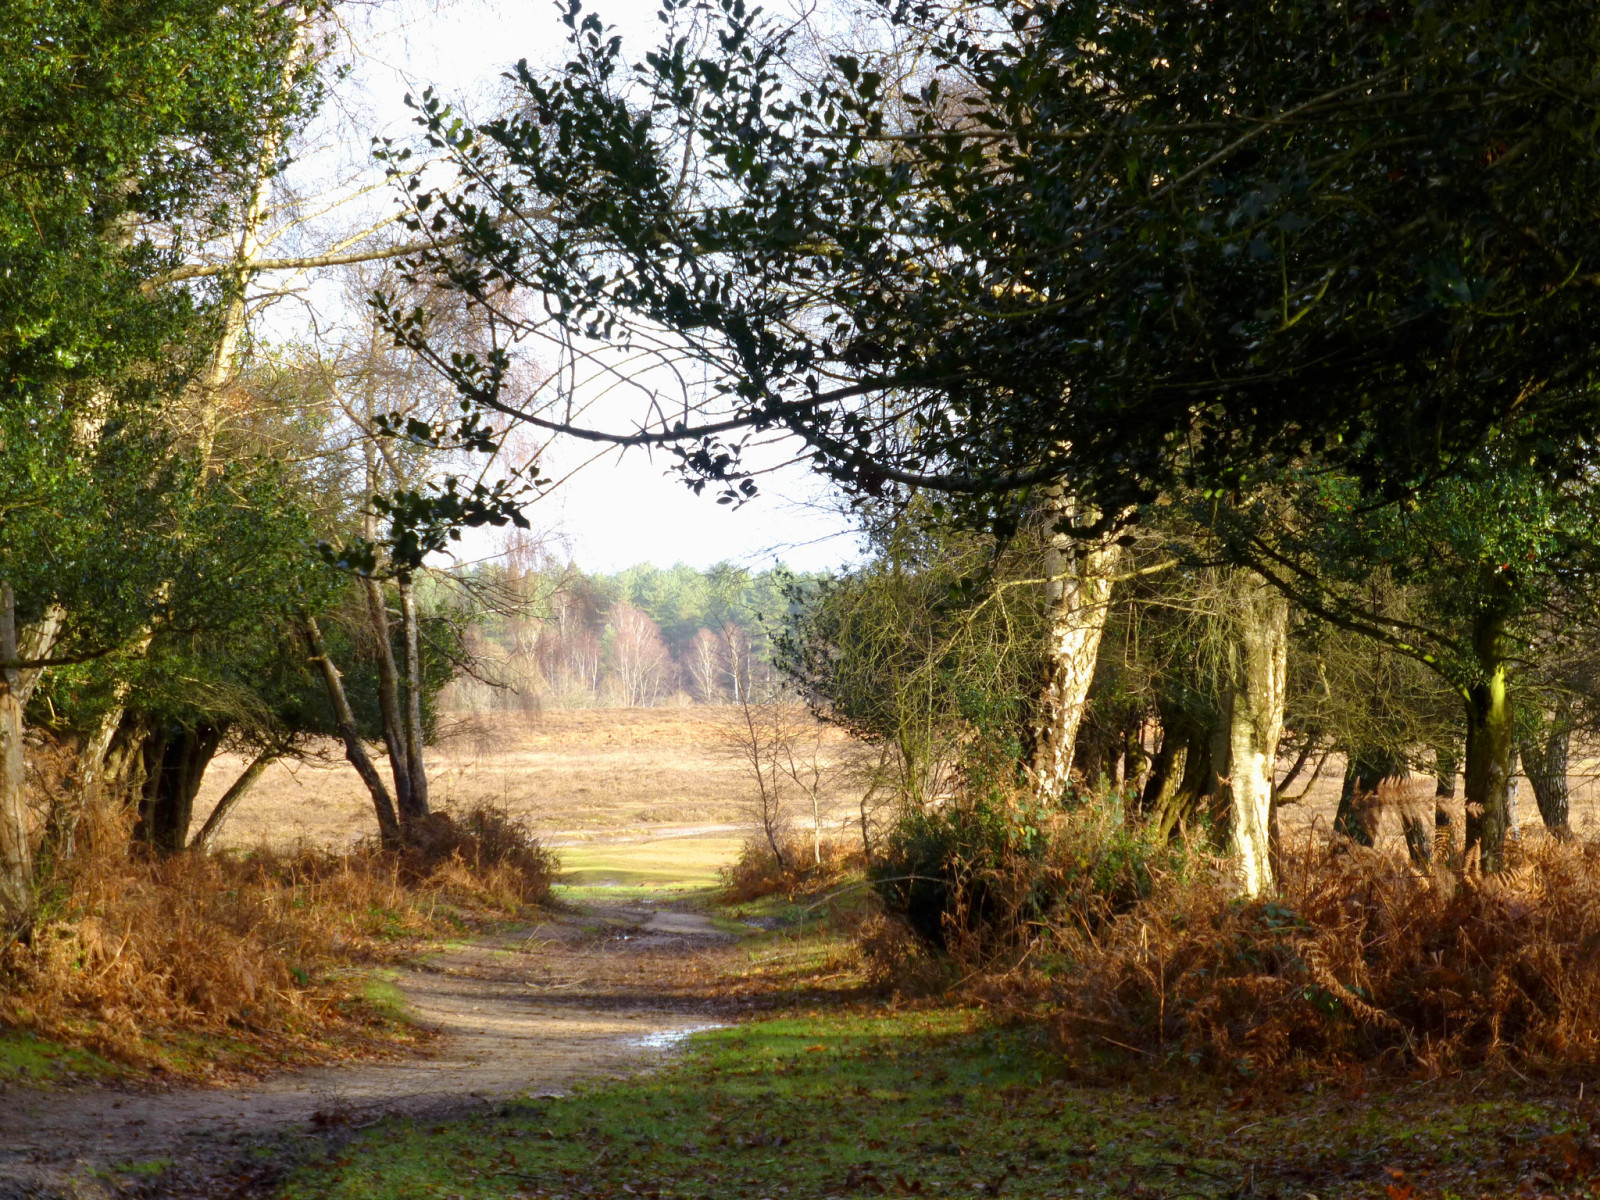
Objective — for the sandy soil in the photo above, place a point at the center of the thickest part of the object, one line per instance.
(529, 1012)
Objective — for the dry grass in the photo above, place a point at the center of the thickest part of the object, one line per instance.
(1358, 959)
(135, 959)
(575, 775)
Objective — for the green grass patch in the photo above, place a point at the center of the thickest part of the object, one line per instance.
(937, 1104)
(147, 1169)
(383, 995)
(25, 1058)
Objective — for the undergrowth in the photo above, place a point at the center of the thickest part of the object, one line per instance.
(805, 868)
(1358, 958)
(133, 958)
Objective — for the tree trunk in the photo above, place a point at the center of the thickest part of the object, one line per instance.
(16, 856)
(1444, 832)
(1176, 797)
(354, 751)
(1078, 594)
(415, 768)
(1545, 765)
(1366, 771)
(1254, 686)
(394, 735)
(1490, 746)
(175, 764)
(1418, 831)
(207, 837)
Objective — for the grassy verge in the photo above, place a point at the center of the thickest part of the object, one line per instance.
(28, 1059)
(935, 1103)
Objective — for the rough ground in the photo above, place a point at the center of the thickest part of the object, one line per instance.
(532, 1010)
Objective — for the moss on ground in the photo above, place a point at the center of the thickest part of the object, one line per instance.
(25, 1058)
(938, 1104)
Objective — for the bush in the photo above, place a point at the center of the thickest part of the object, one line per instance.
(127, 951)
(981, 878)
(490, 854)
(1358, 959)
(757, 872)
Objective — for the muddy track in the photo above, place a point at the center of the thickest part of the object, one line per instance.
(527, 1012)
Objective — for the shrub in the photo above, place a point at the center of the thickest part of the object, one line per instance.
(1358, 958)
(981, 878)
(758, 872)
(127, 951)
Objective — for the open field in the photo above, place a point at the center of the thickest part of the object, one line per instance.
(644, 796)
(580, 777)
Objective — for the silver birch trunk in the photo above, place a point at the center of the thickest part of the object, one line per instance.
(16, 856)
(1078, 593)
(1254, 688)
(413, 714)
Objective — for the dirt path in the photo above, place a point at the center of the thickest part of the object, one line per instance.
(529, 1011)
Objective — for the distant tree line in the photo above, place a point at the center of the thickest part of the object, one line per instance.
(554, 635)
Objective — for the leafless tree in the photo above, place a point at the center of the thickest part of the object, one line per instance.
(641, 667)
(705, 666)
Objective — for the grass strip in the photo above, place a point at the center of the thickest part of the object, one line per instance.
(934, 1103)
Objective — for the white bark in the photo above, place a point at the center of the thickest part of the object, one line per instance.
(1079, 595)
(1253, 698)
(16, 857)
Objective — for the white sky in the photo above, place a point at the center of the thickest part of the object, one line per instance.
(622, 509)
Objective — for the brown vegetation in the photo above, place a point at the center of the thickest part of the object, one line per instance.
(1357, 958)
(805, 867)
(134, 956)
(572, 774)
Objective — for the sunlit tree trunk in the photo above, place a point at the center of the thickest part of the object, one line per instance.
(1490, 748)
(207, 837)
(390, 709)
(417, 809)
(1078, 594)
(1253, 699)
(354, 750)
(16, 856)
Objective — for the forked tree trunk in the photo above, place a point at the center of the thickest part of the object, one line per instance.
(176, 761)
(207, 837)
(1490, 747)
(415, 768)
(1545, 765)
(1078, 595)
(1253, 695)
(16, 856)
(389, 705)
(354, 750)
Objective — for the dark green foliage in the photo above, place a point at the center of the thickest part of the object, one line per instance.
(1122, 247)
(985, 876)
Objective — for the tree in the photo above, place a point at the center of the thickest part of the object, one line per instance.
(1499, 564)
(705, 666)
(1074, 259)
(640, 664)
